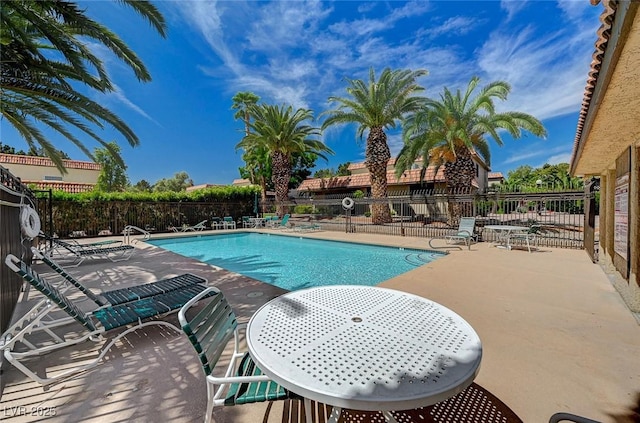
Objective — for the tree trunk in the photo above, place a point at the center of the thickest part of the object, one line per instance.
(263, 193)
(377, 156)
(281, 174)
(459, 176)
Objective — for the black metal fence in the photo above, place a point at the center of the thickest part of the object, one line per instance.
(97, 218)
(560, 215)
(13, 195)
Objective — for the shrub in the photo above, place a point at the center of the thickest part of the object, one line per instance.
(303, 209)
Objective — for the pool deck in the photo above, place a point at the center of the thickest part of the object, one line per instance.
(556, 337)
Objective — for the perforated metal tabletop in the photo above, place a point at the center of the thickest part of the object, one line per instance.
(364, 348)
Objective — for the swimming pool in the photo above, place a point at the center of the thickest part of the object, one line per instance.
(295, 263)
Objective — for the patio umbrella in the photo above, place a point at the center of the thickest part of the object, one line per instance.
(255, 203)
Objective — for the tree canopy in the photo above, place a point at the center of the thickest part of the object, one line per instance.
(46, 58)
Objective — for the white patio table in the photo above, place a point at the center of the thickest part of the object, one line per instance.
(504, 233)
(257, 222)
(364, 348)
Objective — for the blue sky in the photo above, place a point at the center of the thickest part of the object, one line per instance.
(299, 52)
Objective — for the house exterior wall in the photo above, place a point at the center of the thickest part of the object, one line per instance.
(31, 169)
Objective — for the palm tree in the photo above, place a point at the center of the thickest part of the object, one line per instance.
(450, 130)
(282, 132)
(36, 88)
(376, 106)
(255, 158)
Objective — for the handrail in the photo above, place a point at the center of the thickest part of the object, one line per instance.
(127, 233)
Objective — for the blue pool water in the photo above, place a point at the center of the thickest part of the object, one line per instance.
(295, 263)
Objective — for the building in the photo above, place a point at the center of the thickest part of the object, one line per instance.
(607, 143)
(42, 173)
(409, 181)
(495, 178)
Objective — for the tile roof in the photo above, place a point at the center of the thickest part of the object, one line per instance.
(71, 187)
(363, 180)
(45, 161)
(495, 175)
(604, 34)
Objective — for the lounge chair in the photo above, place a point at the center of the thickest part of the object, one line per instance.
(124, 295)
(209, 331)
(282, 223)
(466, 232)
(228, 222)
(57, 245)
(200, 226)
(247, 223)
(79, 252)
(307, 227)
(26, 338)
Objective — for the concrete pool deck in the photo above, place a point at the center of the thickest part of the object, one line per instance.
(556, 337)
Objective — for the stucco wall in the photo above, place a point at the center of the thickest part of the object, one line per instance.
(38, 173)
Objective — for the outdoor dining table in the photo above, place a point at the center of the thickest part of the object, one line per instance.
(504, 232)
(257, 222)
(364, 348)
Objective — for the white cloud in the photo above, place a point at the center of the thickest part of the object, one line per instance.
(535, 150)
(559, 158)
(547, 73)
(513, 7)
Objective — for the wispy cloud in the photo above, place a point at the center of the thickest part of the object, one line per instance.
(513, 7)
(535, 151)
(547, 73)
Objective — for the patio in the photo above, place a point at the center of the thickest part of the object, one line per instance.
(556, 337)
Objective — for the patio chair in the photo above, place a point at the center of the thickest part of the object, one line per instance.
(528, 236)
(79, 252)
(27, 337)
(217, 223)
(200, 226)
(247, 223)
(282, 223)
(124, 295)
(209, 331)
(228, 222)
(466, 232)
(58, 245)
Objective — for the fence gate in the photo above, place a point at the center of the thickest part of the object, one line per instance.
(590, 220)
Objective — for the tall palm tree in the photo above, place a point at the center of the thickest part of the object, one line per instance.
(36, 86)
(376, 106)
(255, 158)
(448, 131)
(282, 132)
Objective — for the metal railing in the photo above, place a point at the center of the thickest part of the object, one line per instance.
(560, 215)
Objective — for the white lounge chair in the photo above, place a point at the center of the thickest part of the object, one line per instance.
(466, 232)
(200, 226)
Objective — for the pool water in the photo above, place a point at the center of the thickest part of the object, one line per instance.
(295, 263)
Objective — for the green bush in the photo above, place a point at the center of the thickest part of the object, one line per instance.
(367, 214)
(303, 209)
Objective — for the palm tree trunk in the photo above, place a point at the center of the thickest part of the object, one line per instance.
(377, 156)
(281, 174)
(263, 193)
(459, 176)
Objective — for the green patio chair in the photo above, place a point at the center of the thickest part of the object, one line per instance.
(27, 338)
(124, 295)
(210, 330)
(228, 222)
(77, 252)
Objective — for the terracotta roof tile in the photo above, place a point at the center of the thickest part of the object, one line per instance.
(363, 180)
(71, 187)
(604, 33)
(45, 161)
(495, 175)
